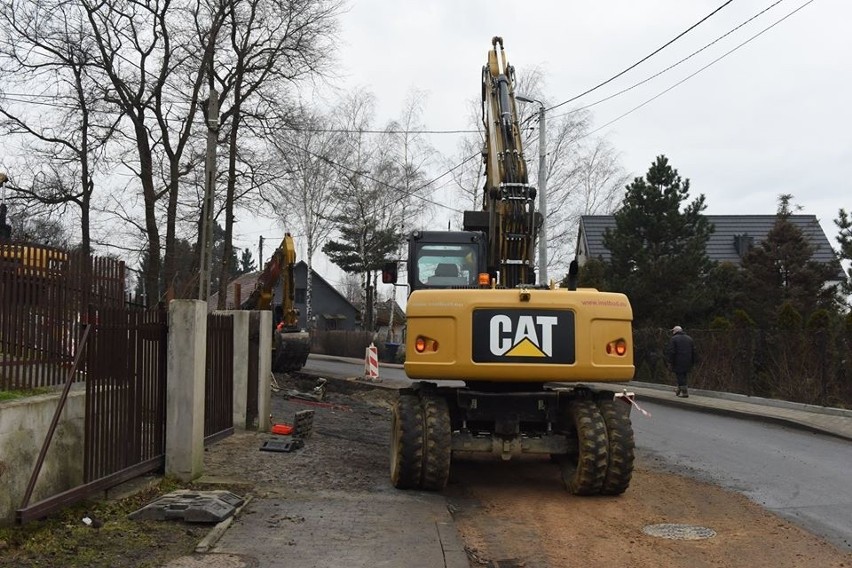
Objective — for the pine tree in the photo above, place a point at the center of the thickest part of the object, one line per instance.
(781, 269)
(247, 263)
(363, 248)
(658, 249)
(844, 239)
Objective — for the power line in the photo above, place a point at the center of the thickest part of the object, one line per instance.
(656, 51)
(14, 99)
(727, 53)
(391, 131)
(33, 95)
(19, 98)
(670, 67)
(410, 193)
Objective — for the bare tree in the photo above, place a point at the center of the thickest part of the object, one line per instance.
(151, 72)
(467, 170)
(272, 44)
(46, 51)
(600, 181)
(409, 156)
(306, 158)
(41, 229)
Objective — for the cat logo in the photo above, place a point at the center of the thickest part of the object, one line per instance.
(533, 336)
(527, 336)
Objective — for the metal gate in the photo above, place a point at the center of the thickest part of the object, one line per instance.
(122, 358)
(219, 380)
(126, 393)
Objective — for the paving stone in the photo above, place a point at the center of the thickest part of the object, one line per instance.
(336, 529)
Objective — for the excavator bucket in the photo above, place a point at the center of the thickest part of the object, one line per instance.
(290, 350)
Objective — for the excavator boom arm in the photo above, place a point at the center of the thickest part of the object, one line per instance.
(279, 268)
(508, 199)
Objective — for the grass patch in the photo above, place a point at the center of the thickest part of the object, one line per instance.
(16, 394)
(65, 540)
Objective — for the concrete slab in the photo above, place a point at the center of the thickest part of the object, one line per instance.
(190, 506)
(393, 529)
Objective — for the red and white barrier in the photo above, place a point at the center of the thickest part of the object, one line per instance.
(371, 364)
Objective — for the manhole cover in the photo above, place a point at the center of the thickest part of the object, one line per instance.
(679, 532)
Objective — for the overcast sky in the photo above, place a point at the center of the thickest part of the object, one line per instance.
(772, 117)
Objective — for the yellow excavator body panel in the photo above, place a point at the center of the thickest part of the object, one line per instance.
(519, 335)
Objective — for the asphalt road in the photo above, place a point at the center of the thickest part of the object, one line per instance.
(799, 475)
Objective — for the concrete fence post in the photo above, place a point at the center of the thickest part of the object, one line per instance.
(185, 389)
(264, 371)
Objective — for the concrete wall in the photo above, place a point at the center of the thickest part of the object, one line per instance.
(23, 427)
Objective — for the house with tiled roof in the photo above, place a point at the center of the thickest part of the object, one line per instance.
(330, 309)
(731, 239)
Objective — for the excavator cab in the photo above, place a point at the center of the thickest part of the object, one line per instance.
(446, 259)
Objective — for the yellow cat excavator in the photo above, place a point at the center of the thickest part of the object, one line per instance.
(535, 359)
(290, 345)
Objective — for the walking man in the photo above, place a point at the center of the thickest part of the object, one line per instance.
(680, 354)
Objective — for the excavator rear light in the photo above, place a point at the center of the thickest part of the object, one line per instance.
(617, 347)
(484, 279)
(422, 344)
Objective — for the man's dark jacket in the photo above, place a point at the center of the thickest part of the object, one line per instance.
(681, 353)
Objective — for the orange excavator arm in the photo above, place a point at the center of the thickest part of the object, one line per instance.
(278, 268)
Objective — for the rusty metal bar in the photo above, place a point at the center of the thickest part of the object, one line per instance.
(55, 421)
(76, 494)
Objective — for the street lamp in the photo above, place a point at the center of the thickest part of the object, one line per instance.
(542, 189)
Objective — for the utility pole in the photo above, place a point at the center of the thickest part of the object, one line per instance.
(542, 201)
(209, 183)
(5, 229)
(542, 189)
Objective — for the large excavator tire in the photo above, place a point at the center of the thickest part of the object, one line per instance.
(584, 475)
(619, 431)
(406, 451)
(437, 439)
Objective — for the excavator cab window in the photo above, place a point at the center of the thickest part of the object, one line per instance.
(445, 265)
